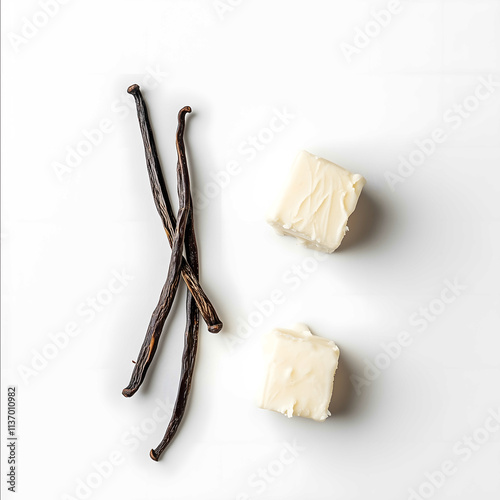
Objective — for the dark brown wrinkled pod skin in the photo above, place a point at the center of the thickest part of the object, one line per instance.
(192, 325)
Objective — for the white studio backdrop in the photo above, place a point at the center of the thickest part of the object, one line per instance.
(406, 93)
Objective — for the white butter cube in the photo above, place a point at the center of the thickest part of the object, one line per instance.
(317, 202)
(299, 374)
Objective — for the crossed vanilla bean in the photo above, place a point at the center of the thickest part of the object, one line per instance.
(164, 208)
(181, 235)
(192, 321)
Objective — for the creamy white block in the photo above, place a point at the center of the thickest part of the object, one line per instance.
(316, 203)
(300, 368)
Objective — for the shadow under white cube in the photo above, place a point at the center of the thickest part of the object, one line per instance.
(316, 203)
(299, 373)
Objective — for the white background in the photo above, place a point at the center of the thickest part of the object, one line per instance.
(63, 236)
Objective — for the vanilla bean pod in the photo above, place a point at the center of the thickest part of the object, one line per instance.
(190, 347)
(164, 208)
(161, 311)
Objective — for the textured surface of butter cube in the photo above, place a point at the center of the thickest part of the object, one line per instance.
(299, 373)
(316, 203)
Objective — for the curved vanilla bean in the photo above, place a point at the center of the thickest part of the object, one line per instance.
(164, 208)
(159, 316)
(191, 332)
